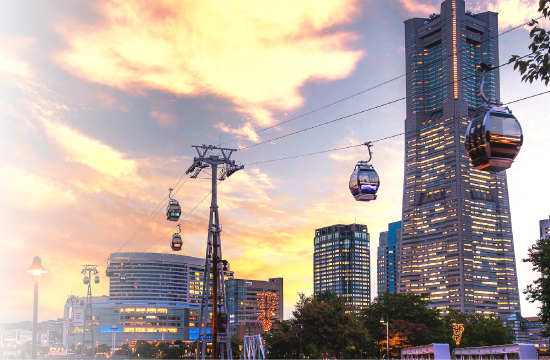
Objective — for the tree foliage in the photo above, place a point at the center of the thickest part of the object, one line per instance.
(539, 256)
(328, 330)
(537, 65)
(479, 330)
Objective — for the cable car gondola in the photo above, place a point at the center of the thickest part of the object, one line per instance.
(364, 181)
(173, 211)
(122, 277)
(494, 136)
(96, 279)
(86, 280)
(176, 243)
(109, 271)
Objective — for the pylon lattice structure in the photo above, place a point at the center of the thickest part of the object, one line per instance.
(267, 303)
(253, 347)
(71, 300)
(213, 295)
(90, 270)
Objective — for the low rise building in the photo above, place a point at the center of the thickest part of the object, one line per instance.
(243, 306)
(529, 331)
(158, 301)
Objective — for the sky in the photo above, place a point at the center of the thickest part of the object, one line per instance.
(100, 103)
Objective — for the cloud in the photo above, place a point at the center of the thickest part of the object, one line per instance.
(245, 131)
(510, 12)
(256, 55)
(164, 119)
(29, 191)
(416, 6)
(85, 150)
(10, 56)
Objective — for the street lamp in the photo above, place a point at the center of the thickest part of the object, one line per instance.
(387, 333)
(36, 269)
(301, 337)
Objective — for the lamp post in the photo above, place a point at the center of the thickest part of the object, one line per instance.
(387, 333)
(36, 269)
(301, 337)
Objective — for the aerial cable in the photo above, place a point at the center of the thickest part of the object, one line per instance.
(362, 111)
(309, 154)
(323, 151)
(383, 83)
(528, 97)
(151, 216)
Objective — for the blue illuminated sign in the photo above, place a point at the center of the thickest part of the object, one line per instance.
(248, 282)
(108, 329)
(369, 187)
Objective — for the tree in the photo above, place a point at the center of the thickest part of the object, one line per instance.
(539, 256)
(236, 345)
(283, 343)
(328, 325)
(537, 65)
(104, 348)
(144, 349)
(411, 321)
(124, 350)
(479, 330)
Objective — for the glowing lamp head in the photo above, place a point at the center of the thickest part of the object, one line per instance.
(382, 319)
(36, 269)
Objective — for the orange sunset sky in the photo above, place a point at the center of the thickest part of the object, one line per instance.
(100, 102)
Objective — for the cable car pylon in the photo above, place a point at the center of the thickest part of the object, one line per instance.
(89, 270)
(214, 298)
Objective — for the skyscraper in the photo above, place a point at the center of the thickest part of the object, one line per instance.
(387, 269)
(341, 263)
(457, 244)
(544, 226)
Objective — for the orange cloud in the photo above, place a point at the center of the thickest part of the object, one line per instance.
(511, 12)
(257, 54)
(28, 191)
(416, 6)
(12, 49)
(90, 152)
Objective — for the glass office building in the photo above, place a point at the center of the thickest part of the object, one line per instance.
(457, 245)
(243, 308)
(341, 263)
(387, 266)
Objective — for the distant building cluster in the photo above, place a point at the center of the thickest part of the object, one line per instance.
(159, 300)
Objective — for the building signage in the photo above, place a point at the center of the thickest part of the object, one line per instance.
(78, 314)
(248, 282)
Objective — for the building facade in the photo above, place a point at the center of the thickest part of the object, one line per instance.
(242, 304)
(457, 244)
(159, 301)
(544, 227)
(341, 263)
(529, 331)
(387, 265)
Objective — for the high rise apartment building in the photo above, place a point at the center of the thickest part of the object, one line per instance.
(387, 269)
(341, 263)
(544, 227)
(457, 244)
(243, 307)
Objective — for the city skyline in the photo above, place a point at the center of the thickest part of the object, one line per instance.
(94, 138)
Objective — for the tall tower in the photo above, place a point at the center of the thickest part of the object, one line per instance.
(341, 263)
(457, 244)
(389, 247)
